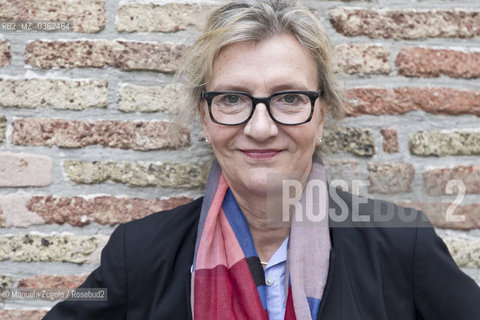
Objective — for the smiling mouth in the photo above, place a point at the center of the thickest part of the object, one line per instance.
(261, 154)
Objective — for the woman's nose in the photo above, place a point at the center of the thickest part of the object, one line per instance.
(261, 126)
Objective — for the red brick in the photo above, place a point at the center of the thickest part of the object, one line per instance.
(436, 180)
(22, 170)
(126, 55)
(389, 178)
(108, 133)
(12, 314)
(345, 171)
(390, 140)
(52, 281)
(110, 210)
(85, 15)
(431, 63)
(379, 101)
(5, 53)
(406, 24)
(341, 169)
(437, 214)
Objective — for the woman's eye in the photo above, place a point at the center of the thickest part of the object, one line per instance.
(232, 99)
(290, 98)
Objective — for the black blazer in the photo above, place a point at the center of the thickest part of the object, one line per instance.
(376, 271)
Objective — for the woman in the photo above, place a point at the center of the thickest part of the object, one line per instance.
(260, 77)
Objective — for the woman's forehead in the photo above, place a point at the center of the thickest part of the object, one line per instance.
(274, 62)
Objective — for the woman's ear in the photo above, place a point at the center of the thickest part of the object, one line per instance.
(323, 115)
(202, 111)
(323, 112)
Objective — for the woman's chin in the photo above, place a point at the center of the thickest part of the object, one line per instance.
(265, 185)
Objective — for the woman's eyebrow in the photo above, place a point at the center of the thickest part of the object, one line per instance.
(275, 88)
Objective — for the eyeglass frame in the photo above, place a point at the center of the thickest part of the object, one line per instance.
(312, 95)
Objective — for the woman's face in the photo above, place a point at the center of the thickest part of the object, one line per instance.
(249, 152)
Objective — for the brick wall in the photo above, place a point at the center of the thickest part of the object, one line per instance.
(86, 139)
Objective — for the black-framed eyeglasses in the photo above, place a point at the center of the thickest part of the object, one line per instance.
(232, 108)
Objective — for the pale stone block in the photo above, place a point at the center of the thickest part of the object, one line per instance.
(169, 17)
(436, 143)
(140, 174)
(134, 98)
(53, 93)
(15, 212)
(363, 58)
(358, 141)
(22, 170)
(465, 251)
(48, 247)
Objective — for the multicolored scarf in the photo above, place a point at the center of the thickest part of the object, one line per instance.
(228, 280)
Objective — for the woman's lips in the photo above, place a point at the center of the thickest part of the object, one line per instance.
(261, 154)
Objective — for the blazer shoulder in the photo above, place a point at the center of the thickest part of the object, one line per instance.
(186, 213)
(165, 224)
(351, 210)
(375, 223)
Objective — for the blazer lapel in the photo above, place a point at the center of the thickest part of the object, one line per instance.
(330, 304)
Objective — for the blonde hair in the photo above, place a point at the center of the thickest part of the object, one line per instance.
(245, 20)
